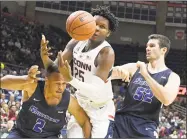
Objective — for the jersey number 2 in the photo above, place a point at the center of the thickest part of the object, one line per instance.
(143, 94)
(40, 123)
(79, 74)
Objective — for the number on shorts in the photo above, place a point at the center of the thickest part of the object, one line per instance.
(143, 94)
(40, 123)
(79, 74)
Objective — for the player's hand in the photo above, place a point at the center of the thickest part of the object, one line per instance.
(64, 68)
(120, 73)
(31, 77)
(44, 50)
(143, 68)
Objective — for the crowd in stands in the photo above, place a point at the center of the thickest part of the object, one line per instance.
(10, 105)
(20, 40)
(172, 123)
(20, 44)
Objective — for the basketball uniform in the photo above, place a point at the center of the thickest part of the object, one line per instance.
(139, 116)
(101, 114)
(37, 119)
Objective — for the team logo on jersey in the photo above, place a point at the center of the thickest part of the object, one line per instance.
(60, 111)
(88, 57)
(77, 49)
(140, 81)
(80, 56)
(35, 110)
(81, 64)
(36, 99)
(163, 77)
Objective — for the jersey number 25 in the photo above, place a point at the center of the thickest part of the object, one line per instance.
(79, 74)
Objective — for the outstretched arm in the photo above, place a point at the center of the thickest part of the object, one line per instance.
(80, 115)
(124, 72)
(44, 52)
(12, 82)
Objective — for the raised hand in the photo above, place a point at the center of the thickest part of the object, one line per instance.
(44, 50)
(143, 68)
(120, 73)
(33, 71)
(64, 68)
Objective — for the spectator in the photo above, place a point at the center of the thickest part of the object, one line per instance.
(3, 99)
(5, 9)
(12, 113)
(4, 112)
(11, 100)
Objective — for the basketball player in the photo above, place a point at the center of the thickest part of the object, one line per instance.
(151, 85)
(92, 62)
(45, 103)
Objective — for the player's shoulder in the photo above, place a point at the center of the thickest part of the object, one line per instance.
(71, 44)
(107, 51)
(106, 48)
(106, 43)
(174, 76)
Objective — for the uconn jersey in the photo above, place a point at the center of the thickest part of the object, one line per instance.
(38, 119)
(101, 114)
(139, 99)
(84, 67)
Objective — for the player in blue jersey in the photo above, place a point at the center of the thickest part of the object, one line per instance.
(45, 103)
(150, 86)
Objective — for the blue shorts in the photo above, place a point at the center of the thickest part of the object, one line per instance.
(127, 126)
(15, 133)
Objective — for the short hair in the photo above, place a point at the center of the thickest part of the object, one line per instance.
(51, 69)
(105, 12)
(163, 41)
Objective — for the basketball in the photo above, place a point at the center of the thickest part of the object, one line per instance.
(80, 25)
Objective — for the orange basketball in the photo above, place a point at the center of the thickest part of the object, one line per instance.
(80, 25)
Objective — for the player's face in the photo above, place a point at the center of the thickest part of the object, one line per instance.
(13, 108)
(5, 107)
(18, 105)
(102, 29)
(153, 50)
(2, 96)
(55, 87)
(11, 97)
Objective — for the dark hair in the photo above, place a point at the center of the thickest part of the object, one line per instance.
(163, 41)
(105, 12)
(51, 69)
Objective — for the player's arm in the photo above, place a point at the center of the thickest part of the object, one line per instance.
(166, 94)
(67, 53)
(12, 82)
(80, 115)
(124, 72)
(105, 61)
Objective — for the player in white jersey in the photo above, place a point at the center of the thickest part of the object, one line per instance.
(92, 62)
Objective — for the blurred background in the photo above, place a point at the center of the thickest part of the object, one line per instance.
(23, 22)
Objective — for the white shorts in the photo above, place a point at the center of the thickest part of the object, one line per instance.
(101, 119)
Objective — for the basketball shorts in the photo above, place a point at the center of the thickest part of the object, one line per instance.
(102, 120)
(127, 126)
